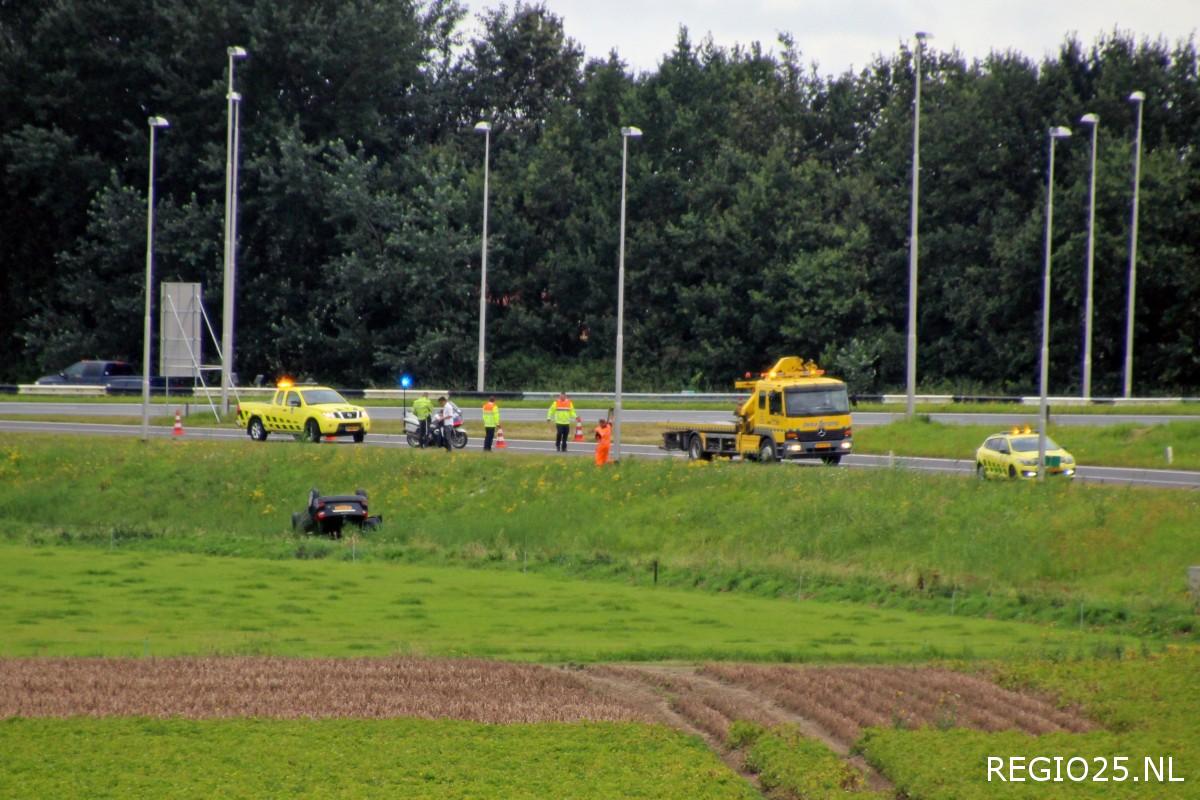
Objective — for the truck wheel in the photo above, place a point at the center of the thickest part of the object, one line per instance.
(766, 451)
(256, 430)
(358, 437)
(696, 449)
(832, 461)
(312, 431)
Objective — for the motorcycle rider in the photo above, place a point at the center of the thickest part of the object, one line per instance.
(423, 409)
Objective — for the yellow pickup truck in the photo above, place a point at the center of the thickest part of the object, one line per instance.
(306, 412)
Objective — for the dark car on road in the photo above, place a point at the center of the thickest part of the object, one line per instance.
(91, 373)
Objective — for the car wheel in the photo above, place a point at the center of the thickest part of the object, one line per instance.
(413, 440)
(832, 461)
(312, 431)
(980, 472)
(358, 437)
(458, 439)
(298, 519)
(766, 451)
(256, 430)
(1012, 471)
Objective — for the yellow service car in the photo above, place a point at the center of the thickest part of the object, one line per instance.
(306, 412)
(1015, 455)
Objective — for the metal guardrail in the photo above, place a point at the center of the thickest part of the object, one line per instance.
(665, 397)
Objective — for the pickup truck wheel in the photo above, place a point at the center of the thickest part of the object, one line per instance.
(1012, 471)
(312, 431)
(766, 451)
(980, 472)
(358, 437)
(256, 430)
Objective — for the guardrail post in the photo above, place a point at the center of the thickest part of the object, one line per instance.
(1194, 582)
(1170, 455)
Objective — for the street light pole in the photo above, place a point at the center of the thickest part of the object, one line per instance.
(233, 100)
(626, 134)
(1139, 98)
(1092, 120)
(912, 238)
(486, 129)
(1055, 134)
(155, 123)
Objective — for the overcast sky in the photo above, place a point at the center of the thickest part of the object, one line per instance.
(843, 35)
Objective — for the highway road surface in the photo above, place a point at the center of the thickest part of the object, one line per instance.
(1159, 478)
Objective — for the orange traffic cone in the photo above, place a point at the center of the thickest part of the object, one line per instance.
(579, 429)
(178, 431)
(499, 444)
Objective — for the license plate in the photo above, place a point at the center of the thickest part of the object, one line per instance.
(353, 428)
(343, 509)
(824, 445)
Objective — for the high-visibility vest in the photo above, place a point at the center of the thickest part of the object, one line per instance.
(422, 408)
(491, 415)
(561, 411)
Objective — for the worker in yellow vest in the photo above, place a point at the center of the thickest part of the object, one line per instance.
(562, 413)
(491, 420)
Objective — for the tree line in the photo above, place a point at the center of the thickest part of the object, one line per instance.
(768, 204)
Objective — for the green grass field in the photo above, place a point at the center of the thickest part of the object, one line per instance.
(1055, 553)
(117, 547)
(61, 601)
(437, 760)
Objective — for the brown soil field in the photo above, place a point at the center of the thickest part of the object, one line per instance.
(481, 691)
(830, 704)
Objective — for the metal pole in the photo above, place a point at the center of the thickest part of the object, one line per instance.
(1139, 98)
(486, 128)
(232, 99)
(1094, 121)
(912, 239)
(154, 122)
(626, 133)
(1055, 133)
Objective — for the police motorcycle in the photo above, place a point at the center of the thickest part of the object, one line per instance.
(434, 431)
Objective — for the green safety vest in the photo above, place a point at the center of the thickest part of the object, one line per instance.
(422, 408)
(491, 416)
(562, 413)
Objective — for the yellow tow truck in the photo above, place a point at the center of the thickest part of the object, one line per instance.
(794, 411)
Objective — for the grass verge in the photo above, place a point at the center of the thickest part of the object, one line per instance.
(1055, 553)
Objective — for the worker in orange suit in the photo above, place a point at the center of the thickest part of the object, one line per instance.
(603, 434)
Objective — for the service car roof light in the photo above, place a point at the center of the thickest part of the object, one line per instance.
(285, 383)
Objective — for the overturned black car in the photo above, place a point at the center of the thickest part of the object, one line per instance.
(327, 514)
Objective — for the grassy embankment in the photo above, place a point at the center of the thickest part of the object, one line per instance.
(1057, 553)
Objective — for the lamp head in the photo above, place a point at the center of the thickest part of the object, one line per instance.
(631, 132)
(235, 96)
(483, 127)
(1090, 119)
(1137, 97)
(923, 35)
(1059, 132)
(236, 52)
(158, 122)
